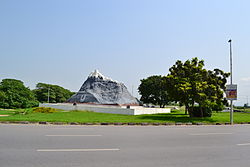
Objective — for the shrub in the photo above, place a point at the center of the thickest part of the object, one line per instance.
(23, 112)
(201, 112)
(239, 107)
(44, 110)
(217, 106)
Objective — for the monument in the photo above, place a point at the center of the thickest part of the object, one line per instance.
(98, 89)
(104, 95)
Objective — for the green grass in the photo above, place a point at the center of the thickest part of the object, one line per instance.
(92, 117)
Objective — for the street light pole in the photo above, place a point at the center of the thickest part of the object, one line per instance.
(231, 78)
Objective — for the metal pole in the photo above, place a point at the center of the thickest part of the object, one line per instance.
(231, 113)
(231, 74)
(231, 62)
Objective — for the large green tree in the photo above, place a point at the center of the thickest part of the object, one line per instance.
(154, 90)
(57, 94)
(190, 83)
(13, 94)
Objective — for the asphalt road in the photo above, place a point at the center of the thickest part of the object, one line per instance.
(124, 146)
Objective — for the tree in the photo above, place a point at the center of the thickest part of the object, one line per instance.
(153, 90)
(246, 105)
(3, 104)
(190, 84)
(13, 94)
(57, 94)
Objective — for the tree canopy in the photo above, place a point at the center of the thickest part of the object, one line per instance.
(13, 94)
(189, 84)
(57, 94)
(153, 90)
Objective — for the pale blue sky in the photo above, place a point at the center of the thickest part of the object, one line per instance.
(62, 41)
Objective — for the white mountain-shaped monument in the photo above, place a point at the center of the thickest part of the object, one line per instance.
(98, 89)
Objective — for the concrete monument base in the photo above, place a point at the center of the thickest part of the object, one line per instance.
(131, 110)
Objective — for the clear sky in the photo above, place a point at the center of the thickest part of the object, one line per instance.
(62, 41)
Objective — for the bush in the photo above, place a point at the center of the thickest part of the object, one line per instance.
(201, 112)
(21, 111)
(217, 106)
(239, 107)
(44, 110)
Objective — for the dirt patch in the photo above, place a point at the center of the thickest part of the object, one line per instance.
(4, 115)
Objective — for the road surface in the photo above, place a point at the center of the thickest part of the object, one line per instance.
(124, 146)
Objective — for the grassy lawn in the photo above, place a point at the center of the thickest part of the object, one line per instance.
(92, 117)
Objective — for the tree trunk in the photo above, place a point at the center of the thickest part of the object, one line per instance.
(191, 109)
(186, 109)
(201, 110)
